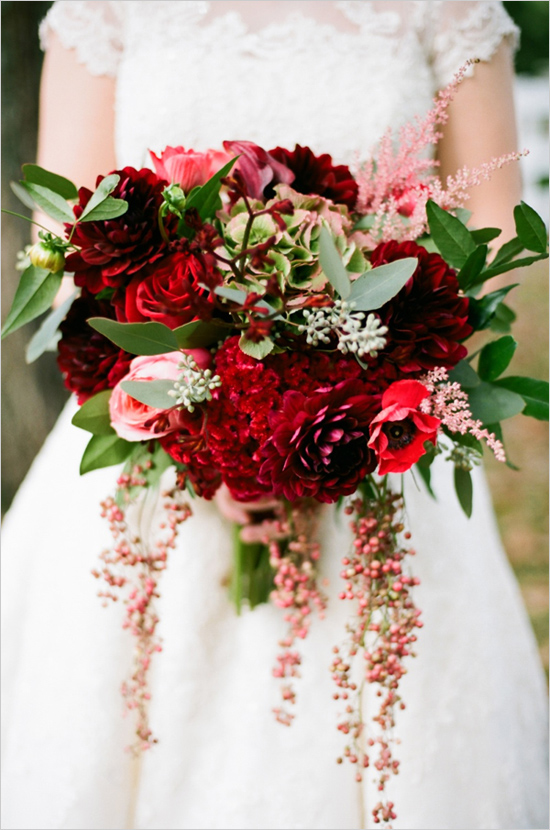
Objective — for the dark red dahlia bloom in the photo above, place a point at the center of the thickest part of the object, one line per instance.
(428, 318)
(399, 432)
(115, 249)
(238, 418)
(89, 361)
(317, 174)
(319, 443)
(169, 290)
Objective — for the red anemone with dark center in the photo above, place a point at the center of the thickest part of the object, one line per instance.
(400, 430)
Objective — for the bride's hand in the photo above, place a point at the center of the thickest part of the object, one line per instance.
(261, 519)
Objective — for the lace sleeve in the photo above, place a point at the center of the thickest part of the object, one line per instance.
(462, 30)
(92, 28)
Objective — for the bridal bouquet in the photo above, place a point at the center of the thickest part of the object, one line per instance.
(268, 322)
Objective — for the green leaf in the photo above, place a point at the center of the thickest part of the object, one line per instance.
(108, 209)
(22, 195)
(495, 270)
(150, 392)
(508, 251)
(452, 238)
(137, 338)
(365, 223)
(42, 339)
(426, 475)
(466, 440)
(534, 393)
(530, 228)
(198, 334)
(481, 312)
(332, 265)
(464, 374)
(59, 184)
(496, 430)
(373, 289)
(502, 319)
(484, 235)
(50, 202)
(491, 403)
(104, 451)
(206, 198)
(495, 357)
(473, 267)
(464, 489)
(256, 350)
(35, 294)
(94, 415)
(104, 188)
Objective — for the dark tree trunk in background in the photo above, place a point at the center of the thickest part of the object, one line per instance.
(32, 396)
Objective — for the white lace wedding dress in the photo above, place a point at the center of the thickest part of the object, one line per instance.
(332, 76)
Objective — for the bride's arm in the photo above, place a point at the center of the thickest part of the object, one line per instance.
(75, 126)
(76, 118)
(481, 126)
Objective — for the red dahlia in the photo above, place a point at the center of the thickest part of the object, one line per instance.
(428, 318)
(319, 444)
(317, 174)
(115, 249)
(89, 361)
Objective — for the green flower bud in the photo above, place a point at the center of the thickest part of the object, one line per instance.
(43, 255)
(174, 198)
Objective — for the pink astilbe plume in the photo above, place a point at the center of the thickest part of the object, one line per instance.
(449, 402)
(396, 183)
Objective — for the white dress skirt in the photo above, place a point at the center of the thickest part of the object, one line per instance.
(473, 752)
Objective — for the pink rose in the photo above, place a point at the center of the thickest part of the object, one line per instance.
(135, 421)
(186, 167)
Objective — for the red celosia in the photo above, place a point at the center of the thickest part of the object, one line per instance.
(111, 251)
(428, 318)
(89, 361)
(399, 432)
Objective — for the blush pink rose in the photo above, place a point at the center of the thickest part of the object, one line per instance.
(135, 421)
(188, 168)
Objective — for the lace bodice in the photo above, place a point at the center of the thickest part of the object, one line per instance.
(332, 75)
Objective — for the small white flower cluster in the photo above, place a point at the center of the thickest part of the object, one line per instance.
(355, 334)
(194, 385)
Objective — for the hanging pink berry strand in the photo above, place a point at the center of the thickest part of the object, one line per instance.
(382, 631)
(133, 565)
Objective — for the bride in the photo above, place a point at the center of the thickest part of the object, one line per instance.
(121, 78)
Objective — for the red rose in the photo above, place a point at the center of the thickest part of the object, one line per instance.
(170, 291)
(319, 443)
(428, 318)
(111, 251)
(398, 432)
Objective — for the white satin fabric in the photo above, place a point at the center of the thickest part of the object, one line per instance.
(473, 751)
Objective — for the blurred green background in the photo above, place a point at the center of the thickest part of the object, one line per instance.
(33, 395)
